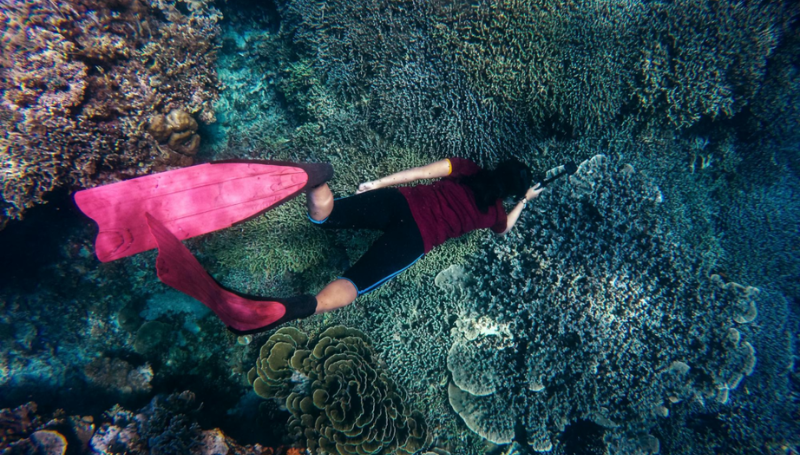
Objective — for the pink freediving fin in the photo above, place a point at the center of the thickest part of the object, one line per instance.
(243, 314)
(192, 201)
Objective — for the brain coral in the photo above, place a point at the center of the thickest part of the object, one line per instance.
(614, 321)
(344, 403)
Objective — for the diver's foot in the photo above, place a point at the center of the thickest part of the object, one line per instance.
(256, 314)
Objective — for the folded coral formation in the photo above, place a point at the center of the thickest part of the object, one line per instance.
(345, 403)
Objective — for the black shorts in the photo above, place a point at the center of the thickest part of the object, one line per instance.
(399, 247)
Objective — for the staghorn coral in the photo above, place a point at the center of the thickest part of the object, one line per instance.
(344, 403)
(621, 322)
(482, 77)
(377, 61)
(81, 79)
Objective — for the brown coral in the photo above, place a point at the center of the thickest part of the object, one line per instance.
(118, 375)
(177, 135)
(82, 78)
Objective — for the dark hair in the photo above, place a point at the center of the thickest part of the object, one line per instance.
(509, 178)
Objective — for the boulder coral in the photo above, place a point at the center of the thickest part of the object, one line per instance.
(342, 402)
(621, 323)
(82, 78)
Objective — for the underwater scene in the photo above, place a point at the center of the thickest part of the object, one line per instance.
(376, 227)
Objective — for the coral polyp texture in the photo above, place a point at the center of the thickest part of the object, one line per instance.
(81, 81)
(341, 400)
(620, 323)
(572, 65)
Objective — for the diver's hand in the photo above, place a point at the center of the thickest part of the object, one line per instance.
(367, 186)
(533, 192)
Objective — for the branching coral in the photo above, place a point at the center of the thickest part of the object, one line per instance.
(81, 80)
(377, 59)
(706, 59)
(345, 403)
(565, 65)
(167, 425)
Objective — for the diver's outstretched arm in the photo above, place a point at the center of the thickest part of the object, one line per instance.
(435, 170)
(513, 216)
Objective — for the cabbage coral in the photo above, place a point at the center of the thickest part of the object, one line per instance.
(346, 404)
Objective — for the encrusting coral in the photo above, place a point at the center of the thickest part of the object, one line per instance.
(82, 79)
(341, 400)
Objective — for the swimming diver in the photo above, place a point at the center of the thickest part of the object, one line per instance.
(414, 220)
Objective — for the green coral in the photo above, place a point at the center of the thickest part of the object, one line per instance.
(705, 59)
(570, 64)
(348, 405)
(280, 241)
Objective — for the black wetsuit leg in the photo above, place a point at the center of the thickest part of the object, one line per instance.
(399, 247)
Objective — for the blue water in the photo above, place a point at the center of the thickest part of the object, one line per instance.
(649, 303)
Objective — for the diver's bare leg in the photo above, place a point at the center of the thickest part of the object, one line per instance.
(320, 202)
(336, 294)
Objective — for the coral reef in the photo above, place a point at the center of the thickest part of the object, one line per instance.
(344, 403)
(481, 78)
(570, 66)
(167, 425)
(387, 72)
(606, 322)
(81, 81)
(611, 307)
(708, 59)
(24, 431)
(117, 374)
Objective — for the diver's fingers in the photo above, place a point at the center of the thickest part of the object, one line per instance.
(364, 187)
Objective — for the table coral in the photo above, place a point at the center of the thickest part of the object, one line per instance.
(615, 320)
(341, 400)
(82, 78)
